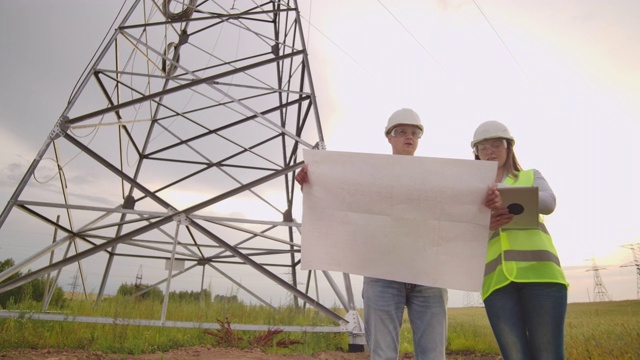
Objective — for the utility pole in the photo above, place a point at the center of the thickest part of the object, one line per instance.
(600, 292)
(635, 250)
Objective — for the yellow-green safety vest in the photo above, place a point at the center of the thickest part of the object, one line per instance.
(521, 255)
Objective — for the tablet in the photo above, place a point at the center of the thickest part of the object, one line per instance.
(522, 202)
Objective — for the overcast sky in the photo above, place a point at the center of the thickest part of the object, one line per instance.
(564, 76)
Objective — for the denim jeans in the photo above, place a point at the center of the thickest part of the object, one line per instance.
(384, 302)
(528, 320)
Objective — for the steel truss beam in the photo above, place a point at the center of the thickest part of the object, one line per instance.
(180, 145)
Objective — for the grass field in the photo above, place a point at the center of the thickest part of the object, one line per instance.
(603, 330)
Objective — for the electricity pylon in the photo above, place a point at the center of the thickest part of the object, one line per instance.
(179, 147)
(600, 292)
(471, 299)
(138, 284)
(635, 250)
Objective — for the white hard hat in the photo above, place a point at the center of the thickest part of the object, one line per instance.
(403, 116)
(491, 130)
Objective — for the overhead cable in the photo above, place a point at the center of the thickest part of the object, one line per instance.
(411, 34)
(500, 38)
(336, 45)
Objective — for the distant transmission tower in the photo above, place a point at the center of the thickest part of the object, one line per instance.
(74, 284)
(600, 292)
(138, 284)
(471, 299)
(635, 250)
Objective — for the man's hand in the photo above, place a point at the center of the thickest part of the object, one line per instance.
(302, 177)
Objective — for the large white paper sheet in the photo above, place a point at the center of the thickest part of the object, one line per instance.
(406, 218)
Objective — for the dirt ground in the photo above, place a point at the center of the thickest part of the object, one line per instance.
(203, 352)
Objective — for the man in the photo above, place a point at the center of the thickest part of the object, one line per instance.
(385, 300)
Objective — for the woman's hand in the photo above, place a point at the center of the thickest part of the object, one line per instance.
(493, 200)
(302, 177)
(500, 218)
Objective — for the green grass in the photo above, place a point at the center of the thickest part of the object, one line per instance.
(132, 339)
(605, 330)
(469, 330)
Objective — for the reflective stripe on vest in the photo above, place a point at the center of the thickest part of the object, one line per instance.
(515, 255)
(522, 255)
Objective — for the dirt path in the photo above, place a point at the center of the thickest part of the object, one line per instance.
(203, 352)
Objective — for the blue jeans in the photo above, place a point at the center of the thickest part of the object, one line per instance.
(384, 302)
(528, 320)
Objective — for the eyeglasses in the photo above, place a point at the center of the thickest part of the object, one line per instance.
(404, 132)
(495, 146)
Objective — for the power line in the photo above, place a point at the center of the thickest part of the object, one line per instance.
(336, 45)
(500, 38)
(410, 33)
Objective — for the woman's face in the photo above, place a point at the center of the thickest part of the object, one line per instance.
(493, 150)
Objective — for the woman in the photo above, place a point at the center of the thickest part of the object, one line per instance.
(524, 288)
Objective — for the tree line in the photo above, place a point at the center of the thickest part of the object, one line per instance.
(35, 291)
(31, 291)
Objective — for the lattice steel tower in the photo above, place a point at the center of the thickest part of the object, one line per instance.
(600, 292)
(635, 250)
(178, 147)
(471, 299)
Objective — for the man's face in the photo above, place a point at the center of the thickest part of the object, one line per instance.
(404, 139)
